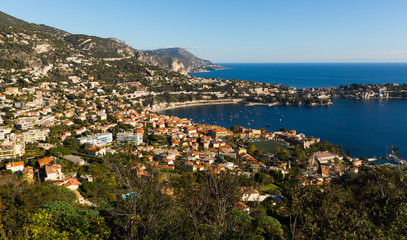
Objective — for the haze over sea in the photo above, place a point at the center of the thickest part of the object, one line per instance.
(363, 127)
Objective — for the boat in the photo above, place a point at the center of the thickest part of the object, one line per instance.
(268, 125)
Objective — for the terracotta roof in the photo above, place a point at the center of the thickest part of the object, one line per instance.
(96, 148)
(14, 164)
(44, 161)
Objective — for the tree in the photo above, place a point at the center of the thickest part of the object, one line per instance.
(235, 129)
(251, 148)
(60, 150)
(259, 152)
(269, 227)
(259, 177)
(208, 206)
(284, 154)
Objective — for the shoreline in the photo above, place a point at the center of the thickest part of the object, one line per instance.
(197, 103)
(226, 101)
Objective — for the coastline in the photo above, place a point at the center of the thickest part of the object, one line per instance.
(159, 109)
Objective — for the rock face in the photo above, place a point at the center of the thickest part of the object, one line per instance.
(183, 61)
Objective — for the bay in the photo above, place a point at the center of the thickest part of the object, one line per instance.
(365, 128)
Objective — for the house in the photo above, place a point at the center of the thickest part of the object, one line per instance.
(12, 91)
(357, 162)
(15, 166)
(53, 172)
(96, 151)
(242, 207)
(190, 166)
(168, 161)
(81, 199)
(70, 183)
(252, 195)
(45, 161)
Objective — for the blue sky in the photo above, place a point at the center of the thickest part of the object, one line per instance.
(237, 31)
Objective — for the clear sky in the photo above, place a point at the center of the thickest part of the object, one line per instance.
(237, 31)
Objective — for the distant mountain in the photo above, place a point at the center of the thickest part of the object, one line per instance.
(187, 61)
(24, 47)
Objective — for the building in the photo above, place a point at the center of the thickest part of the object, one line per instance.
(27, 122)
(45, 161)
(36, 135)
(11, 149)
(326, 157)
(96, 151)
(12, 91)
(53, 173)
(74, 159)
(15, 166)
(252, 195)
(70, 183)
(4, 131)
(96, 140)
(81, 199)
(136, 139)
(219, 133)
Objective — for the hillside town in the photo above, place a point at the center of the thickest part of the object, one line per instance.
(72, 125)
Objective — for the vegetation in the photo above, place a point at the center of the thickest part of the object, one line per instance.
(199, 205)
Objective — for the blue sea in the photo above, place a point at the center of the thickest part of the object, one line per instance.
(311, 75)
(365, 128)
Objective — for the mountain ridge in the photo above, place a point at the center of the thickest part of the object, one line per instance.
(103, 48)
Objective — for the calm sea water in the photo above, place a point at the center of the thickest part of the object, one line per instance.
(363, 127)
(309, 75)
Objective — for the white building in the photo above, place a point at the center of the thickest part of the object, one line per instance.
(96, 140)
(96, 151)
(11, 149)
(15, 166)
(325, 157)
(252, 195)
(4, 131)
(134, 138)
(36, 135)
